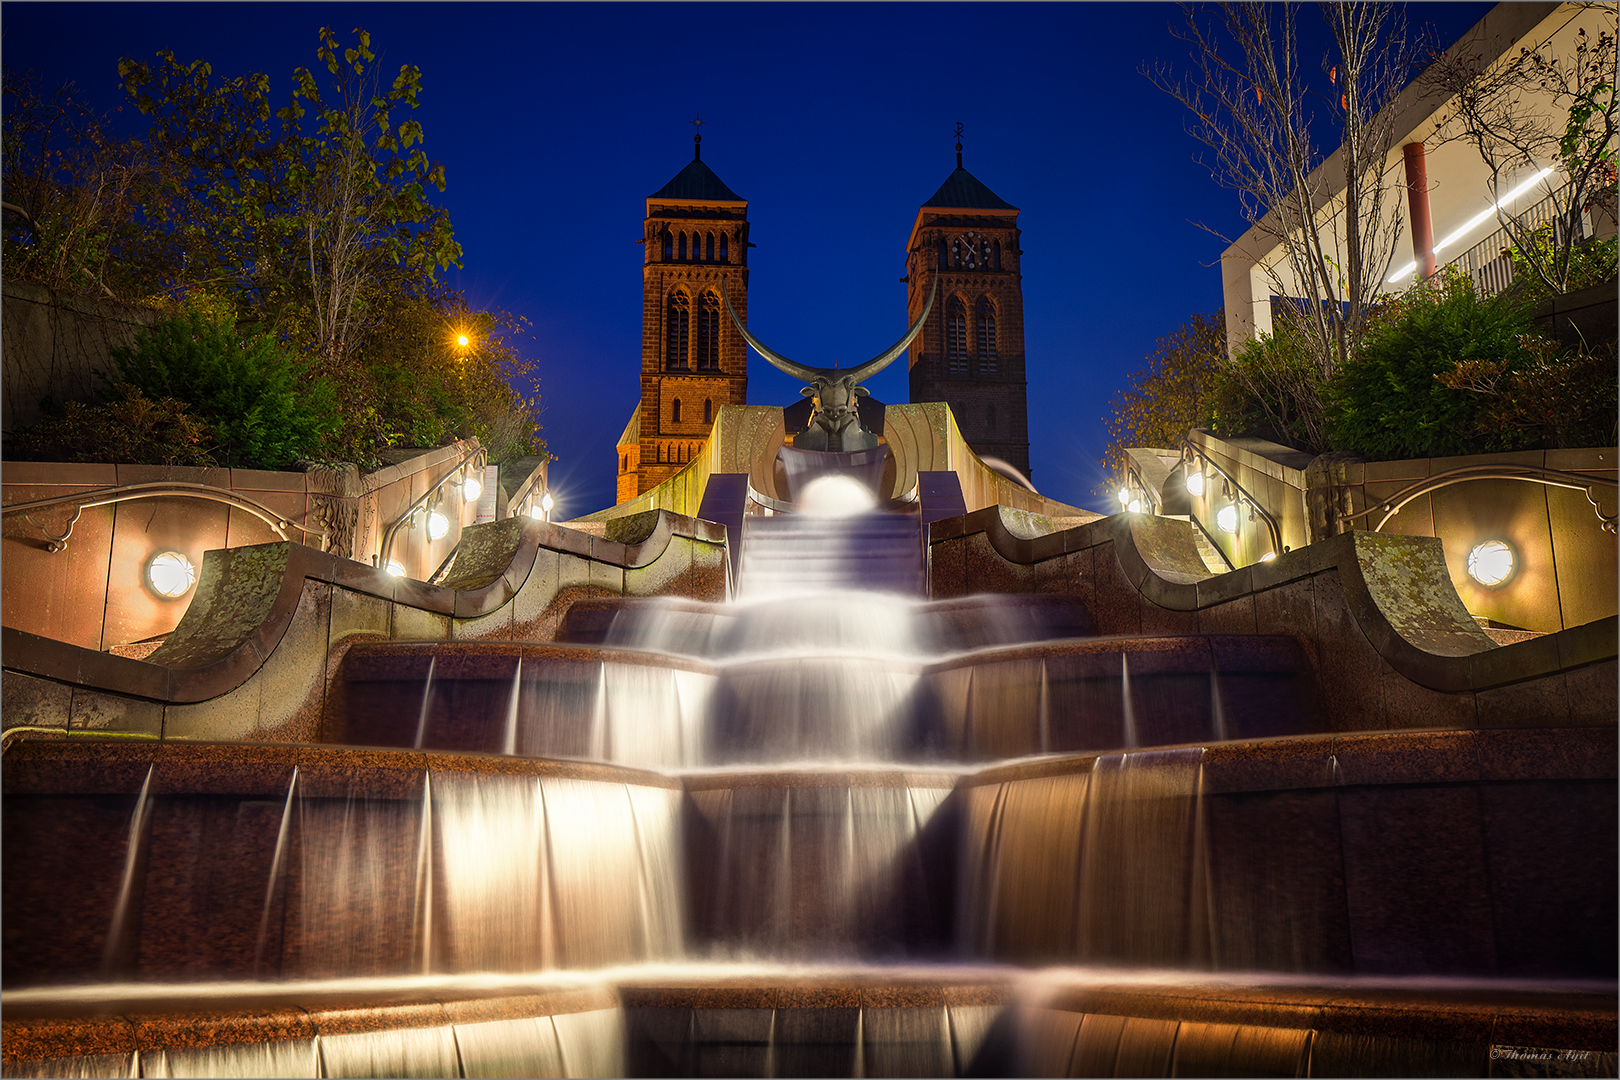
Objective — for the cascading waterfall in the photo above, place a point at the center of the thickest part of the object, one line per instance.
(800, 778)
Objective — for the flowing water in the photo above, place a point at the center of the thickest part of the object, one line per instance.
(811, 804)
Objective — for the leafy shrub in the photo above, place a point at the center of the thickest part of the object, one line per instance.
(264, 408)
(129, 428)
(1558, 399)
(1271, 390)
(1591, 263)
(1387, 402)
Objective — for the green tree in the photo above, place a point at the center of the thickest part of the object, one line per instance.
(263, 408)
(72, 197)
(1173, 392)
(310, 217)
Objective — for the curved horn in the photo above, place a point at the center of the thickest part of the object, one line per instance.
(881, 361)
(798, 371)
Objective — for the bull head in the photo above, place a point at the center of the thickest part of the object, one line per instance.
(834, 422)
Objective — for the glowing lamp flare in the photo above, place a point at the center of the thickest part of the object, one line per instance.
(394, 569)
(537, 512)
(1134, 506)
(471, 489)
(171, 574)
(545, 502)
(1124, 497)
(1195, 484)
(462, 341)
(1227, 518)
(438, 525)
(1491, 563)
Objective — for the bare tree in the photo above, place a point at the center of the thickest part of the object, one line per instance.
(1333, 216)
(1538, 110)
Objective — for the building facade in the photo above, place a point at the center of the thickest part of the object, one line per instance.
(693, 361)
(970, 353)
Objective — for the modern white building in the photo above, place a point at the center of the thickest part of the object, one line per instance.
(1429, 176)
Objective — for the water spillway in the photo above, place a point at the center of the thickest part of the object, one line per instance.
(830, 828)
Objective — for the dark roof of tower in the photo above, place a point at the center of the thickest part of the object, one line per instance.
(963, 191)
(697, 181)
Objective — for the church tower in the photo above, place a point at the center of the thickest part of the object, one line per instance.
(970, 353)
(692, 359)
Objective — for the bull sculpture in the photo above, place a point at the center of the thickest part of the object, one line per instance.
(834, 422)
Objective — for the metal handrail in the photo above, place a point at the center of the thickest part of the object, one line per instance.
(85, 500)
(1533, 474)
(386, 548)
(1243, 495)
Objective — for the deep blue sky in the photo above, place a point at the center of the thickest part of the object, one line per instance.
(555, 121)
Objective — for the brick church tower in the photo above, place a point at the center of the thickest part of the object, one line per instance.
(692, 359)
(970, 353)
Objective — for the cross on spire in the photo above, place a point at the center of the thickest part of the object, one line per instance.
(697, 136)
(957, 134)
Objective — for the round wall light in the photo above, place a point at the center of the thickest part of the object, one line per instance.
(438, 525)
(171, 574)
(1227, 518)
(394, 569)
(546, 504)
(1134, 506)
(471, 489)
(1195, 483)
(1124, 497)
(1491, 563)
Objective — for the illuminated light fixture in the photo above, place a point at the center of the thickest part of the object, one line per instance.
(438, 525)
(1195, 483)
(171, 574)
(462, 341)
(1491, 563)
(1227, 519)
(546, 504)
(394, 569)
(1124, 497)
(537, 512)
(471, 489)
(1474, 221)
(1268, 556)
(1134, 506)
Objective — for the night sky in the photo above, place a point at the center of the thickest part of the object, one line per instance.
(555, 121)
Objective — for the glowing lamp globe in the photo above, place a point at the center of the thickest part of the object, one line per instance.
(1491, 563)
(1195, 484)
(170, 574)
(1227, 519)
(471, 489)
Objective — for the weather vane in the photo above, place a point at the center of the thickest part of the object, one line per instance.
(958, 135)
(697, 135)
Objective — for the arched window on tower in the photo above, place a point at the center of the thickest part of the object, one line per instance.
(708, 410)
(708, 343)
(988, 360)
(996, 256)
(724, 257)
(956, 336)
(708, 248)
(669, 246)
(942, 254)
(680, 247)
(675, 411)
(679, 326)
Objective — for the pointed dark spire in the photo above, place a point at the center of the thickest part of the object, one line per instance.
(958, 134)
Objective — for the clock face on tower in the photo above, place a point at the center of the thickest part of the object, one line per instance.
(965, 248)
